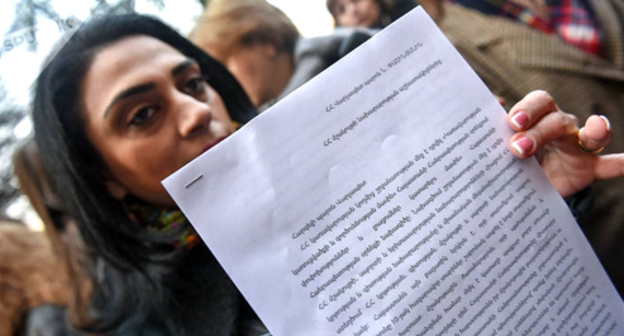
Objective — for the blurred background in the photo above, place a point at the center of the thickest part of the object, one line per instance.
(30, 28)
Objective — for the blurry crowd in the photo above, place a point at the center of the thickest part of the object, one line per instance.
(574, 49)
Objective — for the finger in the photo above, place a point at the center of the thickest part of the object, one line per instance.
(530, 110)
(552, 126)
(609, 166)
(596, 134)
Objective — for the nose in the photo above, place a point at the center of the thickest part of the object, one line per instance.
(194, 116)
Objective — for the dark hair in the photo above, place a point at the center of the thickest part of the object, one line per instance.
(137, 259)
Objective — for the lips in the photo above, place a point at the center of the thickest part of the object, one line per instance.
(214, 143)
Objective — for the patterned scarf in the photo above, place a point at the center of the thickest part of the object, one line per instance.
(159, 220)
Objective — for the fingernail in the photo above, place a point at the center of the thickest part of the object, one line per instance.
(606, 121)
(523, 145)
(520, 119)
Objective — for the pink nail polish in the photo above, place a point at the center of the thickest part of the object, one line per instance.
(523, 145)
(520, 119)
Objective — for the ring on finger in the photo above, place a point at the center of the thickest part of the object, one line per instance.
(580, 145)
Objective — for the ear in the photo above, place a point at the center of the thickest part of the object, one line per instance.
(116, 190)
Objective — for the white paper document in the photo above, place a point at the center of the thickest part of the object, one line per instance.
(381, 199)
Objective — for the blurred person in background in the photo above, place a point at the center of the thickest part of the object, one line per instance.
(585, 24)
(30, 276)
(254, 40)
(375, 14)
(514, 59)
(594, 26)
(361, 13)
(262, 48)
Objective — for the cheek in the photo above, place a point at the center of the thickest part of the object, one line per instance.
(246, 71)
(371, 9)
(142, 162)
(345, 20)
(243, 71)
(140, 174)
(139, 161)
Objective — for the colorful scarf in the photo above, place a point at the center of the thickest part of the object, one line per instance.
(159, 220)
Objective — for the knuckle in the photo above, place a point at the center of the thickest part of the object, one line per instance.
(545, 98)
(572, 121)
(563, 122)
(571, 118)
(542, 94)
(561, 118)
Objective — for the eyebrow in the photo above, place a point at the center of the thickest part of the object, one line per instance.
(135, 90)
(182, 66)
(142, 88)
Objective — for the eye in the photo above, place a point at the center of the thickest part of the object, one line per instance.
(196, 85)
(143, 116)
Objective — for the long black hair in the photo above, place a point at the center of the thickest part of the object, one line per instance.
(131, 259)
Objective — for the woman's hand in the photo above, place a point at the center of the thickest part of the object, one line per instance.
(567, 155)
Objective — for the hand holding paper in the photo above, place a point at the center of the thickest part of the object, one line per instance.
(382, 199)
(566, 153)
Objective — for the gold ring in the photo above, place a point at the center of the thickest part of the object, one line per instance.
(579, 143)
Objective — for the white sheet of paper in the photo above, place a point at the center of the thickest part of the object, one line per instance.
(381, 199)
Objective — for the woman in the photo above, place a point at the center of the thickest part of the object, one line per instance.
(126, 102)
(129, 72)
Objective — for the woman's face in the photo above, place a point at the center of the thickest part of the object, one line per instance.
(148, 111)
(357, 13)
